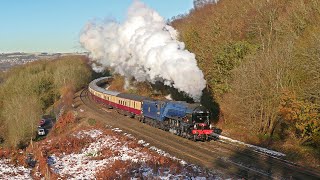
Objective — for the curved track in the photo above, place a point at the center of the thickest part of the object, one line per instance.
(225, 159)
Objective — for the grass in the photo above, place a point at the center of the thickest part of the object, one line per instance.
(92, 122)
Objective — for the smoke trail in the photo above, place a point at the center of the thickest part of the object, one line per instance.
(146, 48)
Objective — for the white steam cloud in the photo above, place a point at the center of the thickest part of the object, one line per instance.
(146, 48)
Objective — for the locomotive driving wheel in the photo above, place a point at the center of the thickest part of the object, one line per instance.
(141, 119)
(194, 137)
(178, 132)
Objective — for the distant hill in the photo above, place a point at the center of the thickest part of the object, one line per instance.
(9, 60)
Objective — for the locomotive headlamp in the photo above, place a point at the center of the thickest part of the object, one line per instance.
(195, 126)
(210, 126)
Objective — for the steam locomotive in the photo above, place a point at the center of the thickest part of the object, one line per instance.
(178, 117)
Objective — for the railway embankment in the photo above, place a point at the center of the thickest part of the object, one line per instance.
(83, 146)
(235, 162)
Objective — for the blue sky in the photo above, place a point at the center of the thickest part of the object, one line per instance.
(54, 25)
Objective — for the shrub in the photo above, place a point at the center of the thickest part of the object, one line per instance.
(92, 122)
(304, 116)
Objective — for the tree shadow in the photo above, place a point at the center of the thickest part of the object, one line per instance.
(246, 164)
(96, 75)
(210, 102)
(159, 89)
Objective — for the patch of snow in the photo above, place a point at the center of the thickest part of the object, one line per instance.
(9, 171)
(256, 148)
(93, 158)
(82, 166)
(163, 153)
(92, 133)
(108, 126)
(116, 130)
(130, 136)
(143, 143)
(183, 162)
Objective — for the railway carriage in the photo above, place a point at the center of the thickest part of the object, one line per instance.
(106, 97)
(129, 104)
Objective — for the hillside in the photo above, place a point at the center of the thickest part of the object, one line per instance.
(27, 91)
(261, 63)
(83, 145)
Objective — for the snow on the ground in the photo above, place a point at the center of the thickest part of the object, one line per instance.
(165, 154)
(116, 130)
(256, 148)
(129, 135)
(9, 171)
(87, 163)
(143, 143)
(101, 153)
(91, 133)
(83, 166)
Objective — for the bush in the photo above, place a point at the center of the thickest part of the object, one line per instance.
(92, 122)
(304, 116)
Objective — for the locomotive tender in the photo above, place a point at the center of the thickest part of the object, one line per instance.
(178, 117)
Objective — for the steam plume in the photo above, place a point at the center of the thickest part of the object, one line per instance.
(146, 48)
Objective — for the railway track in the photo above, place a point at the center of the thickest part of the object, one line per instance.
(222, 158)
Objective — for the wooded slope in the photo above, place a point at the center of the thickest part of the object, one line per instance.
(261, 60)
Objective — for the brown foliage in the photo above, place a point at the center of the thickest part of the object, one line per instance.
(4, 153)
(117, 83)
(139, 88)
(303, 116)
(116, 171)
(67, 93)
(18, 157)
(281, 54)
(71, 144)
(63, 122)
